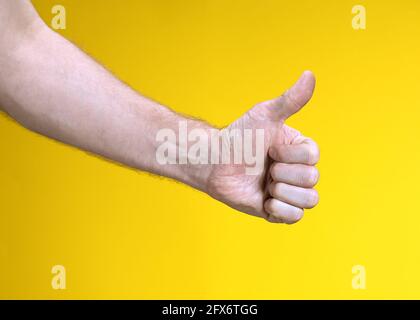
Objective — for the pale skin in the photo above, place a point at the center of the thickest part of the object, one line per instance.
(51, 87)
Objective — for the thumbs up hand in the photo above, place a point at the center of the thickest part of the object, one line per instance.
(87, 107)
(284, 187)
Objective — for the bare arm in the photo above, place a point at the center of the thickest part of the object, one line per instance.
(50, 86)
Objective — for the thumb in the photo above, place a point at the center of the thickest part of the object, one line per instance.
(292, 100)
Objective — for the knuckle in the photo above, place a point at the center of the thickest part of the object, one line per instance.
(290, 99)
(274, 215)
(273, 152)
(269, 206)
(275, 170)
(272, 189)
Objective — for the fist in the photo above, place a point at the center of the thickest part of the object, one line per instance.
(284, 188)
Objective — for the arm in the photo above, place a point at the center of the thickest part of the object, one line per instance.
(51, 87)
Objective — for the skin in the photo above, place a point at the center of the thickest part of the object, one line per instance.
(49, 86)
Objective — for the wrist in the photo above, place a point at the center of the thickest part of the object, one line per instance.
(183, 150)
(198, 176)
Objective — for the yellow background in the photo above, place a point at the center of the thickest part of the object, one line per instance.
(124, 234)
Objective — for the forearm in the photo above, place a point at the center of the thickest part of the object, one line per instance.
(51, 87)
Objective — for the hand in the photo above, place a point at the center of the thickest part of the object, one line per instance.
(284, 188)
(89, 108)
